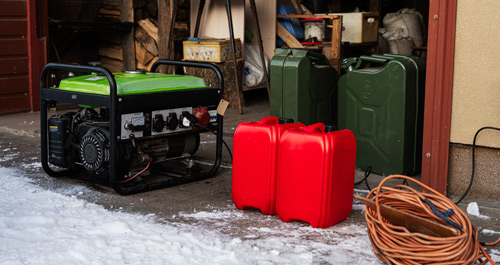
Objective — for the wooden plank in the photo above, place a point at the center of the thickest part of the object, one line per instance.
(182, 26)
(13, 27)
(111, 51)
(38, 32)
(13, 46)
(14, 84)
(375, 5)
(166, 24)
(336, 48)
(13, 66)
(150, 28)
(127, 13)
(109, 12)
(287, 37)
(15, 103)
(147, 42)
(412, 222)
(296, 6)
(13, 9)
(111, 4)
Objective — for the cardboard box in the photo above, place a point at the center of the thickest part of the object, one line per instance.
(359, 27)
(210, 50)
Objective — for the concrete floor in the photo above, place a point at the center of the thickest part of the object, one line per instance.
(19, 135)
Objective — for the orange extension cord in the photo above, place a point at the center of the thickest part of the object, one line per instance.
(396, 245)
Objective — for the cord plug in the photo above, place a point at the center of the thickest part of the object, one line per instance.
(188, 119)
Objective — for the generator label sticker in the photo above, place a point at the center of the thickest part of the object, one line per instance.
(221, 109)
(213, 115)
(95, 78)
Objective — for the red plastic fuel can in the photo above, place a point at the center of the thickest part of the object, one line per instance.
(316, 175)
(255, 151)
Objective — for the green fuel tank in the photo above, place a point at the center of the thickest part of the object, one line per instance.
(303, 87)
(381, 100)
(130, 83)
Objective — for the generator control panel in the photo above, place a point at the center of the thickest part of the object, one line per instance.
(133, 125)
(169, 120)
(163, 122)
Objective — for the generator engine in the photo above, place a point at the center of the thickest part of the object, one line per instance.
(82, 139)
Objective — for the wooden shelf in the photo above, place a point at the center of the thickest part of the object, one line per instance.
(260, 86)
(335, 56)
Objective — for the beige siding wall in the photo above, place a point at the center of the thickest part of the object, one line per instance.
(476, 80)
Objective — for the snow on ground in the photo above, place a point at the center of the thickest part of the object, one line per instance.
(495, 255)
(473, 209)
(8, 156)
(38, 226)
(490, 232)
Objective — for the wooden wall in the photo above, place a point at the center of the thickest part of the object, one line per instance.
(14, 63)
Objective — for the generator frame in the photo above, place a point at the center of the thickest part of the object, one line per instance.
(119, 104)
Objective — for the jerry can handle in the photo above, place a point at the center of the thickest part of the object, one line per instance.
(318, 58)
(317, 127)
(363, 59)
(269, 121)
(348, 64)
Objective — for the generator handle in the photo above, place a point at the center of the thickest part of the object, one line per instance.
(191, 64)
(78, 68)
(43, 111)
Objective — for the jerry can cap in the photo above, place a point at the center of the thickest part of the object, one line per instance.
(331, 128)
(285, 121)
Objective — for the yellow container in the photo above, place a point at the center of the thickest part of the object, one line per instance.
(210, 50)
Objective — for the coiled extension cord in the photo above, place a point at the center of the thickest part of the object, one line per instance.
(396, 245)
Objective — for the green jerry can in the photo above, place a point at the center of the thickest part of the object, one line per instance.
(303, 87)
(421, 72)
(381, 100)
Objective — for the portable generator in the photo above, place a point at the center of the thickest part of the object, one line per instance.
(136, 129)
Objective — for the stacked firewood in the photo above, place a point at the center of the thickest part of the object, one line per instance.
(145, 34)
(146, 43)
(110, 43)
(110, 11)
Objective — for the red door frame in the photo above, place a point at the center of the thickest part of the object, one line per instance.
(438, 93)
(37, 47)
